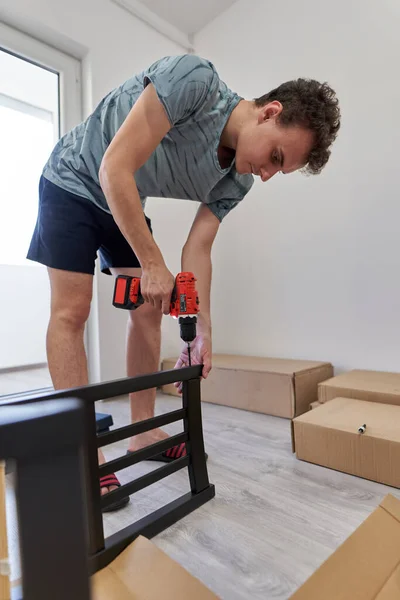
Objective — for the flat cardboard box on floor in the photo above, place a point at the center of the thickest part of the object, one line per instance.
(273, 386)
(374, 386)
(329, 436)
(144, 572)
(366, 566)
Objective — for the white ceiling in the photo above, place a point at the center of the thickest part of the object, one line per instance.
(190, 16)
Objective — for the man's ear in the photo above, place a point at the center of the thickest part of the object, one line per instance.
(270, 111)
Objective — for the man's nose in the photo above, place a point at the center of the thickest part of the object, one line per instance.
(265, 175)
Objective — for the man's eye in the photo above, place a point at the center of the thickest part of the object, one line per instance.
(275, 158)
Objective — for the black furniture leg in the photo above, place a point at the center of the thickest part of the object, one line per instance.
(46, 440)
(93, 494)
(53, 557)
(193, 425)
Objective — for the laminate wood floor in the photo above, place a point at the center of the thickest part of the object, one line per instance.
(23, 380)
(274, 519)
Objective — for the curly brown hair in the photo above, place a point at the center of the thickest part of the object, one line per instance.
(313, 105)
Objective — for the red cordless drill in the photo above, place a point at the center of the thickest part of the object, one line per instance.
(184, 301)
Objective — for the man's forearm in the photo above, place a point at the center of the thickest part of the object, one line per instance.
(122, 196)
(198, 261)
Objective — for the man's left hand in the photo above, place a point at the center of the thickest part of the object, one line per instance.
(200, 354)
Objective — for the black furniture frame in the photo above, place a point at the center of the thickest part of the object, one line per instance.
(43, 433)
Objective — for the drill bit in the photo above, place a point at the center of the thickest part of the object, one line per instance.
(188, 332)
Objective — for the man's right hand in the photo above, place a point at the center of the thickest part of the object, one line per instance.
(156, 285)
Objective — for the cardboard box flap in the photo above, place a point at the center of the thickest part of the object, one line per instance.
(369, 381)
(392, 506)
(346, 414)
(144, 572)
(107, 585)
(362, 566)
(391, 589)
(280, 366)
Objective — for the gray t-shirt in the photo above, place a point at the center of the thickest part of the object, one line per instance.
(185, 164)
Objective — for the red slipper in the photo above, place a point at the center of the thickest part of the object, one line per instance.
(170, 455)
(108, 481)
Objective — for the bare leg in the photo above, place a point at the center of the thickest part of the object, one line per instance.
(142, 357)
(71, 295)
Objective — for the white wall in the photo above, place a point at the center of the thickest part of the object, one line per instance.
(23, 319)
(113, 45)
(309, 267)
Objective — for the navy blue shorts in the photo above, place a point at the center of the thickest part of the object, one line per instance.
(71, 231)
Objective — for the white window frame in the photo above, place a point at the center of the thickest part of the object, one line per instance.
(68, 68)
(26, 108)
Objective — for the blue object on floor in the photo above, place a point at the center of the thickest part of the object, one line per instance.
(103, 422)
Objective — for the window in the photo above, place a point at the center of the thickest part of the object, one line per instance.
(29, 125)
(38, 102)
(40, 99)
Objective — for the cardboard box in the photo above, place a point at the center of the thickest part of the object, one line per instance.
(144, 572)
(273, 386)
(315, 404)
(374, 386)
(366, 566)
(328, 436)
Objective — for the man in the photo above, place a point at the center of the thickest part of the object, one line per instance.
(174, 131)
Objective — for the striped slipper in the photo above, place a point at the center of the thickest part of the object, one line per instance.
(108, 481)
(170, 455)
